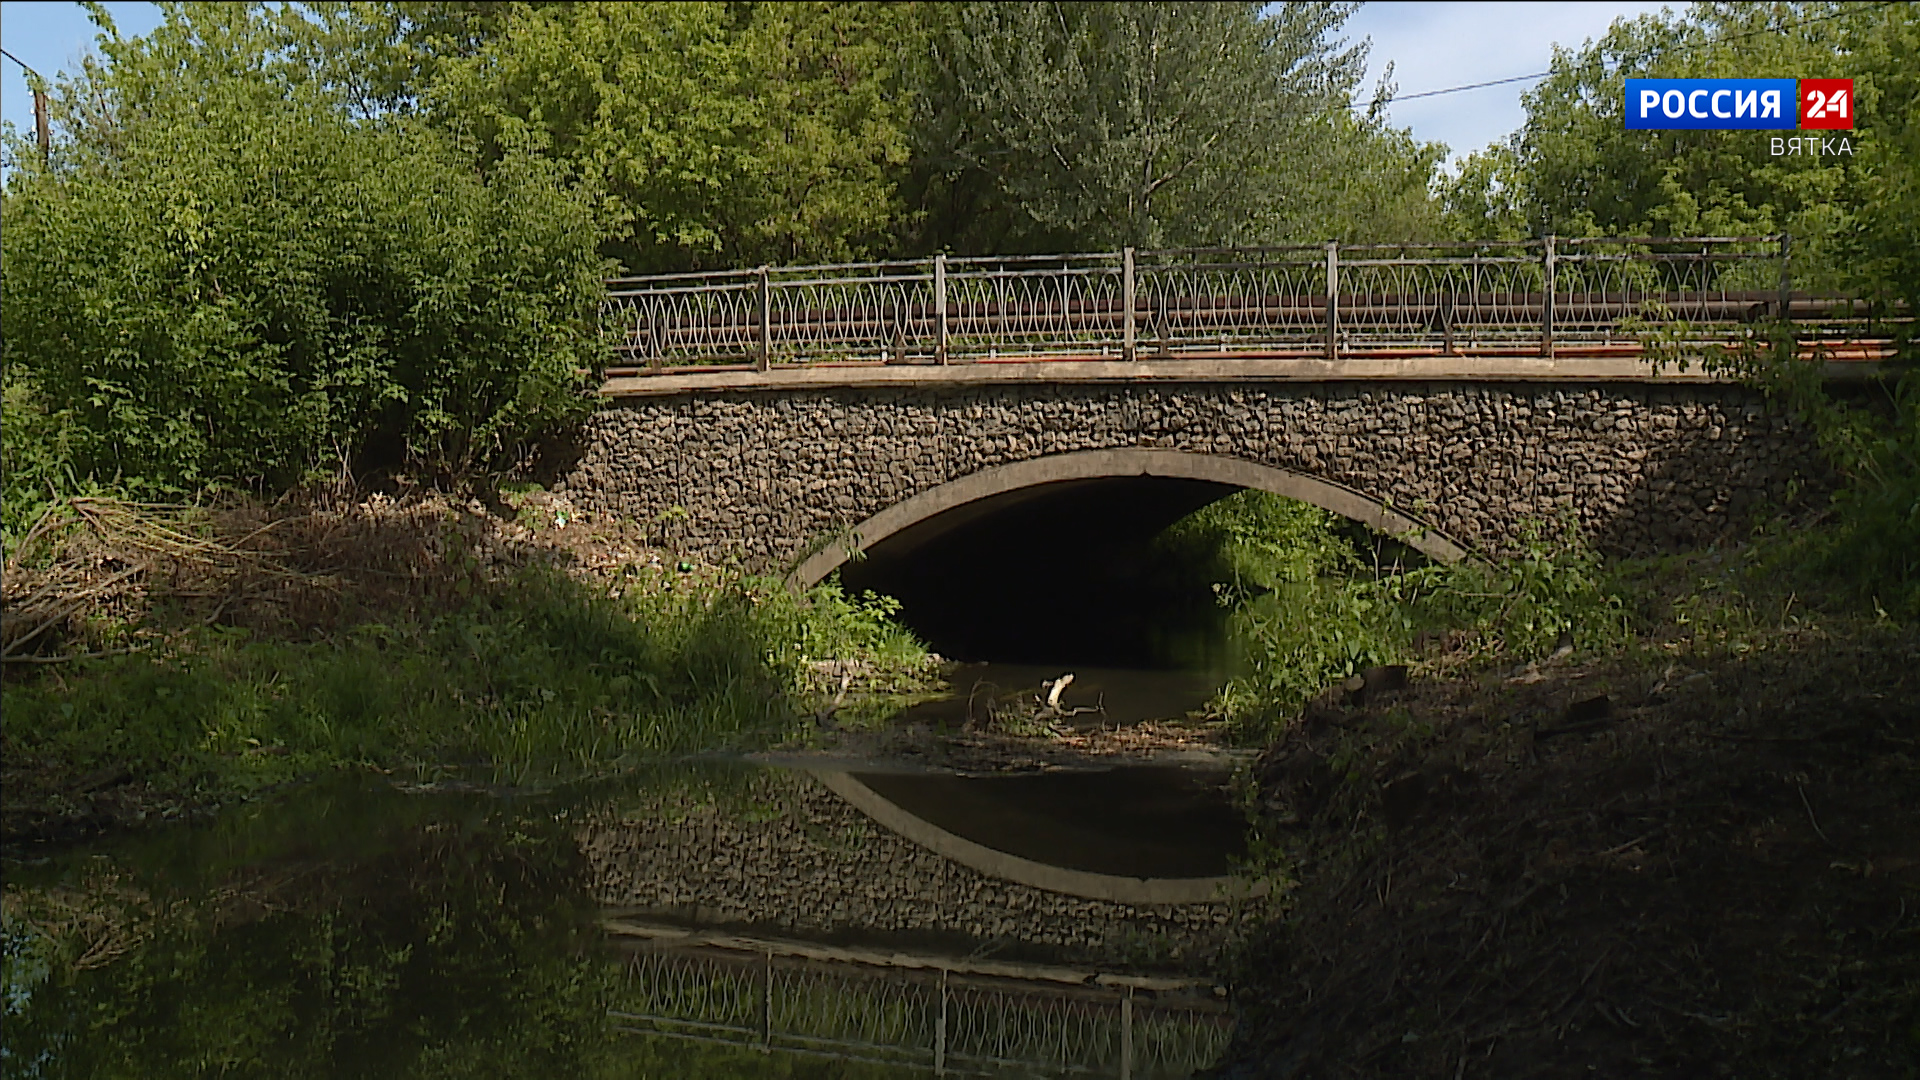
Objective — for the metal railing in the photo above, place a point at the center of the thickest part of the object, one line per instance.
(923, 1020)
(1533, 297)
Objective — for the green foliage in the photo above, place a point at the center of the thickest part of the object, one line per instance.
(1079, 127)
(1302, 638)
(1309, 610)
(1552, 590)
(543, 677)
(1369, 183)
(1574, 168)
(1251, 542)
(35, 459)
(838, 625)
(1871, 544)
(722, 134)
(1880, 252)
(224, 278)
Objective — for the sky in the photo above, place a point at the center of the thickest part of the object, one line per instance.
(50, 36)
(1437, 45)
(1432, 46)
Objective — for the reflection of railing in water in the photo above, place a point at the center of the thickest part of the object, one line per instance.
(918, 1012)
(1328, 301)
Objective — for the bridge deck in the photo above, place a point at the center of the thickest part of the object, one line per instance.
(1850, 360)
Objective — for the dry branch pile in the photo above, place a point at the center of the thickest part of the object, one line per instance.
(100, 576)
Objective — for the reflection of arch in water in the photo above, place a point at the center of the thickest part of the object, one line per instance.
(987, 485)
(998, 864)
(953, 1014)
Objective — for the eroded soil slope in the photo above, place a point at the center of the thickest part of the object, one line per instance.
(1625, 869)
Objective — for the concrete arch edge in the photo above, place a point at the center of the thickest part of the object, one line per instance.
(1000, 865)
(1096, 464)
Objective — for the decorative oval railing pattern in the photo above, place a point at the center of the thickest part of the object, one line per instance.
(920, 1019)
(1533, 297)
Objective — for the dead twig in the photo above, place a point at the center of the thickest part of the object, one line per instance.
(71, 657)
(66, 608)
(1817, 831)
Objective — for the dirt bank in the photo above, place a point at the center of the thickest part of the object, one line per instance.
(1631, 868)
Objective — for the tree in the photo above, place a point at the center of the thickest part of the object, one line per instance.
(1366, 183)
(1880, 247)
(722, 134)
(226, 277)
(1575, 169)
(1855, 219)
(1054, 126)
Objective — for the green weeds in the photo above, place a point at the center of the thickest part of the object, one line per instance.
(1867, 543)
(1309, 610)
(540, 677)
(837, 625)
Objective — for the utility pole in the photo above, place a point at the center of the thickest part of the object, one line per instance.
(41, 131)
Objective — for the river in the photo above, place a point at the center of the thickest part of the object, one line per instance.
(726, 916)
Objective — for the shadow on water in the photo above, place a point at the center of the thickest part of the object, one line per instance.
(711, 919)
(1142, 821)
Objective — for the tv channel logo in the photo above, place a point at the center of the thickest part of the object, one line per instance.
(1826, 104)
(1739, 104)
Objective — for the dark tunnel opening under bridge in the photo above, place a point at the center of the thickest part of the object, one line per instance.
(1055, 561)
(1060, 573)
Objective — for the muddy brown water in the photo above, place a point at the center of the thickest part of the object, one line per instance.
(710, 918)
(1096, 696)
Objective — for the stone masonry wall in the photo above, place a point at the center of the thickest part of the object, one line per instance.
(824, 867)
(761, 473)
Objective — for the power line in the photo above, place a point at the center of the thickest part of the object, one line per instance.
(1470, 86)
(22, 63)
(42, 135)
(1679, 49)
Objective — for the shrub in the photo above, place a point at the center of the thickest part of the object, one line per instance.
(226, 277)
(1309, 611)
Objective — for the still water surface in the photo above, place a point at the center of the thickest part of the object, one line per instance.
(709, 919)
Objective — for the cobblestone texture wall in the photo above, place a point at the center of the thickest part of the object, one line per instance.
(824, 867)
(1646, 468)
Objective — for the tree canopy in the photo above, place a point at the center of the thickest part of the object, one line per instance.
(1049, 126)
(274, 239)
(720, 134)
(222, 275)
(1575, 169)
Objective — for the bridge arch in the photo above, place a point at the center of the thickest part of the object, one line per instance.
(1047, 878)
(1036, 474)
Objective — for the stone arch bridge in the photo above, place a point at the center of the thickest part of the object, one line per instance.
(917, 410)
(762, 472)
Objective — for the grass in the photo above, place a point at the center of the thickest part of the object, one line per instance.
(526, 673)
(1309, 608)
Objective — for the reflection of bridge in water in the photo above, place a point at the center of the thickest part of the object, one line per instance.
(772, 912)
(949, 1015)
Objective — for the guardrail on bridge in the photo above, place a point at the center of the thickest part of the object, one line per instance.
(1533, 297)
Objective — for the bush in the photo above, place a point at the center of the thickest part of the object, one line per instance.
(225, 277)
(35, 461)
(1309, 611)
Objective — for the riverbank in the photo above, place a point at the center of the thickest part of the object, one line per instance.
(165, 662)
(1697, 855)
